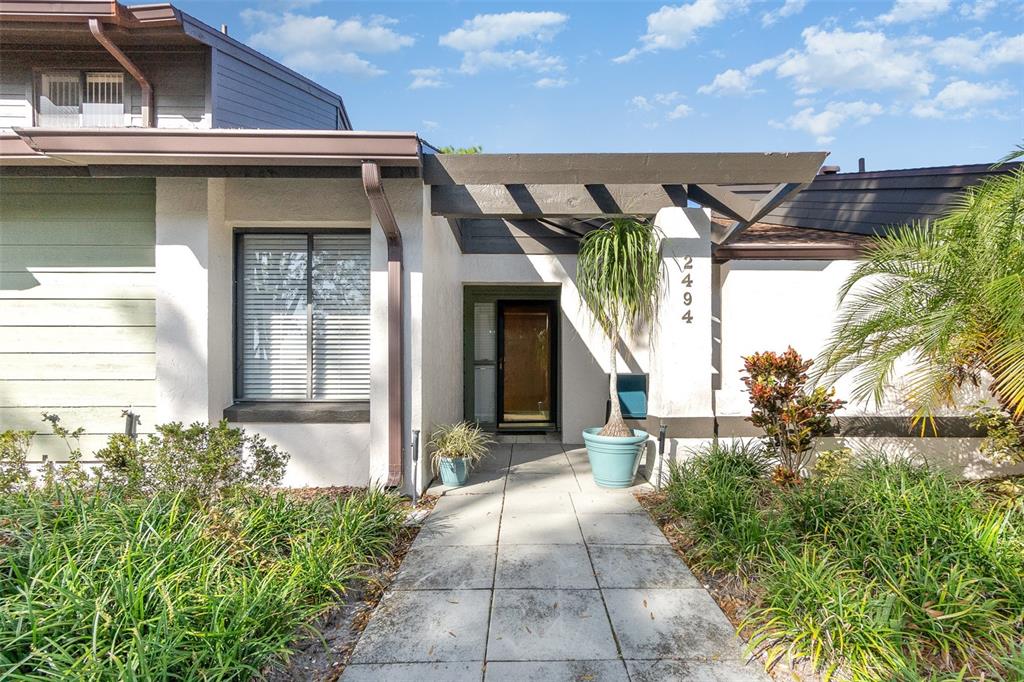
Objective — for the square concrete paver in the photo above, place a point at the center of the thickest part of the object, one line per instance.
(413, 672)
(562, 480)
(695, 671)
(557, 671)
(605, 503)
(538, 502)
(544, 567)
(481, 506)
(620, 529)
(540, 529)
(544, 625)
(426, 626)
(454, 568)
(685, 624)
(479, 482)
(635, 566)
(458, 529)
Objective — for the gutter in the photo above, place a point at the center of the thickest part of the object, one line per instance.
(374, 188)
(148, 110)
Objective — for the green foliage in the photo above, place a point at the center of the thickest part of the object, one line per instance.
(14, 472)
(891, 571)
(463, 440)
(203, 460)
(1004, 440)
(70, 472)
(829, 465)
(947, 298)
(717, 489)
(792, 417)
(451, 149)
(94, 586)
(620, 278)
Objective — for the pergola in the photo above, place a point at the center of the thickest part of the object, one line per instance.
(546, 202)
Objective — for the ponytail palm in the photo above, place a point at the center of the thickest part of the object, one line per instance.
(619, 276)
(948, 298)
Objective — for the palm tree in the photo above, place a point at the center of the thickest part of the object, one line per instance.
(619, 276)
(948, 297)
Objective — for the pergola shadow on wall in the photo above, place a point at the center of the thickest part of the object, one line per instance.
(545, 203)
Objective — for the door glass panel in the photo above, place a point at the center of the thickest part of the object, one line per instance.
(526, 385)
(484, 333)
(484, 384)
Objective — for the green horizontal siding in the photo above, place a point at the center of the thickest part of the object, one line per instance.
(77, 308)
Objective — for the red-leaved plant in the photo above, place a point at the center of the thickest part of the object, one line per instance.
(791, 416)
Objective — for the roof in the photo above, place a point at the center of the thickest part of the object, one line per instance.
(870, 203)
(65, 23)
(767, 241)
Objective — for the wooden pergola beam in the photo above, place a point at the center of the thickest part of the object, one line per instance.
(782, 192)
(539, 201)
(620, 169)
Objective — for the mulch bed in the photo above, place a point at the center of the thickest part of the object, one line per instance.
(323, 655)
(734, 594)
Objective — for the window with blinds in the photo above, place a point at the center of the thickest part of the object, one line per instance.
(304, 316)
(72, 99)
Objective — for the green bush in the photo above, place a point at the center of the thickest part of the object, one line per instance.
(204, 460)
(100, 587)
(890, 571)
(14, 472)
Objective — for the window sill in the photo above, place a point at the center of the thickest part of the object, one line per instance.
(284, 412)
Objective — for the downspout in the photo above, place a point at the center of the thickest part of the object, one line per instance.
(148, 110)
(382, 209)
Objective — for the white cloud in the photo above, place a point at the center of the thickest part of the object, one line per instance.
(485, 31)
(905, 11)
(737, 82)
(426, 78)
(550, 83)
(324, 44)
(640, 103)
(859, 60)
(671, 28)
(788, 9)
(478, 37)
(680, 111)
(822, 124)
(977, 10)
(979, 53)
(667, 98)
(962, 99)
(430, 125)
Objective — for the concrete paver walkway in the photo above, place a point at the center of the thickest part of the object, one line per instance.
(533, 572)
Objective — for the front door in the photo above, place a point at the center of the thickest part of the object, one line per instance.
(527, 373)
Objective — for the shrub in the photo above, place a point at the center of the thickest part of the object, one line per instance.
(14, 473)
(829, 465)
(1003, 441)
(463, 440)
(718, 489)
(791, 416)
(202, 459)
(95, 587)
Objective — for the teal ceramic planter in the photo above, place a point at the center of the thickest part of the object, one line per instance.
(614, 461)
(454, 472)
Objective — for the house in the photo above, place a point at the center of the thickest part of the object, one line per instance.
(191, 231)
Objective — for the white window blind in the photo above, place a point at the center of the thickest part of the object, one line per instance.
(103, 103)
(60, 100)
(294, 351)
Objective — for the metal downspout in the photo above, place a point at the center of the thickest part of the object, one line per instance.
(382, 209)
(148, 110)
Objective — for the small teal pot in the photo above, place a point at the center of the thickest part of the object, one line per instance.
(454, 472)
(614, 460)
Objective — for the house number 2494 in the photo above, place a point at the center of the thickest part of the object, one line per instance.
(688, 283)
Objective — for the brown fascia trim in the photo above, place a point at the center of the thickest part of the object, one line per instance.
(108, 12)
(164, 146)
(786, 252)
(374, 187)
(148, 105)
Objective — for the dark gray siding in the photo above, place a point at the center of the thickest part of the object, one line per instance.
(246, 96)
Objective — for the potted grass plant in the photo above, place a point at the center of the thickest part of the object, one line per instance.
(619, 277)
(455, 448)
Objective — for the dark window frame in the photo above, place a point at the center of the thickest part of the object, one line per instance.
(238, 314)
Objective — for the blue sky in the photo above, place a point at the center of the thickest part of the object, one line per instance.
(903, 83)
